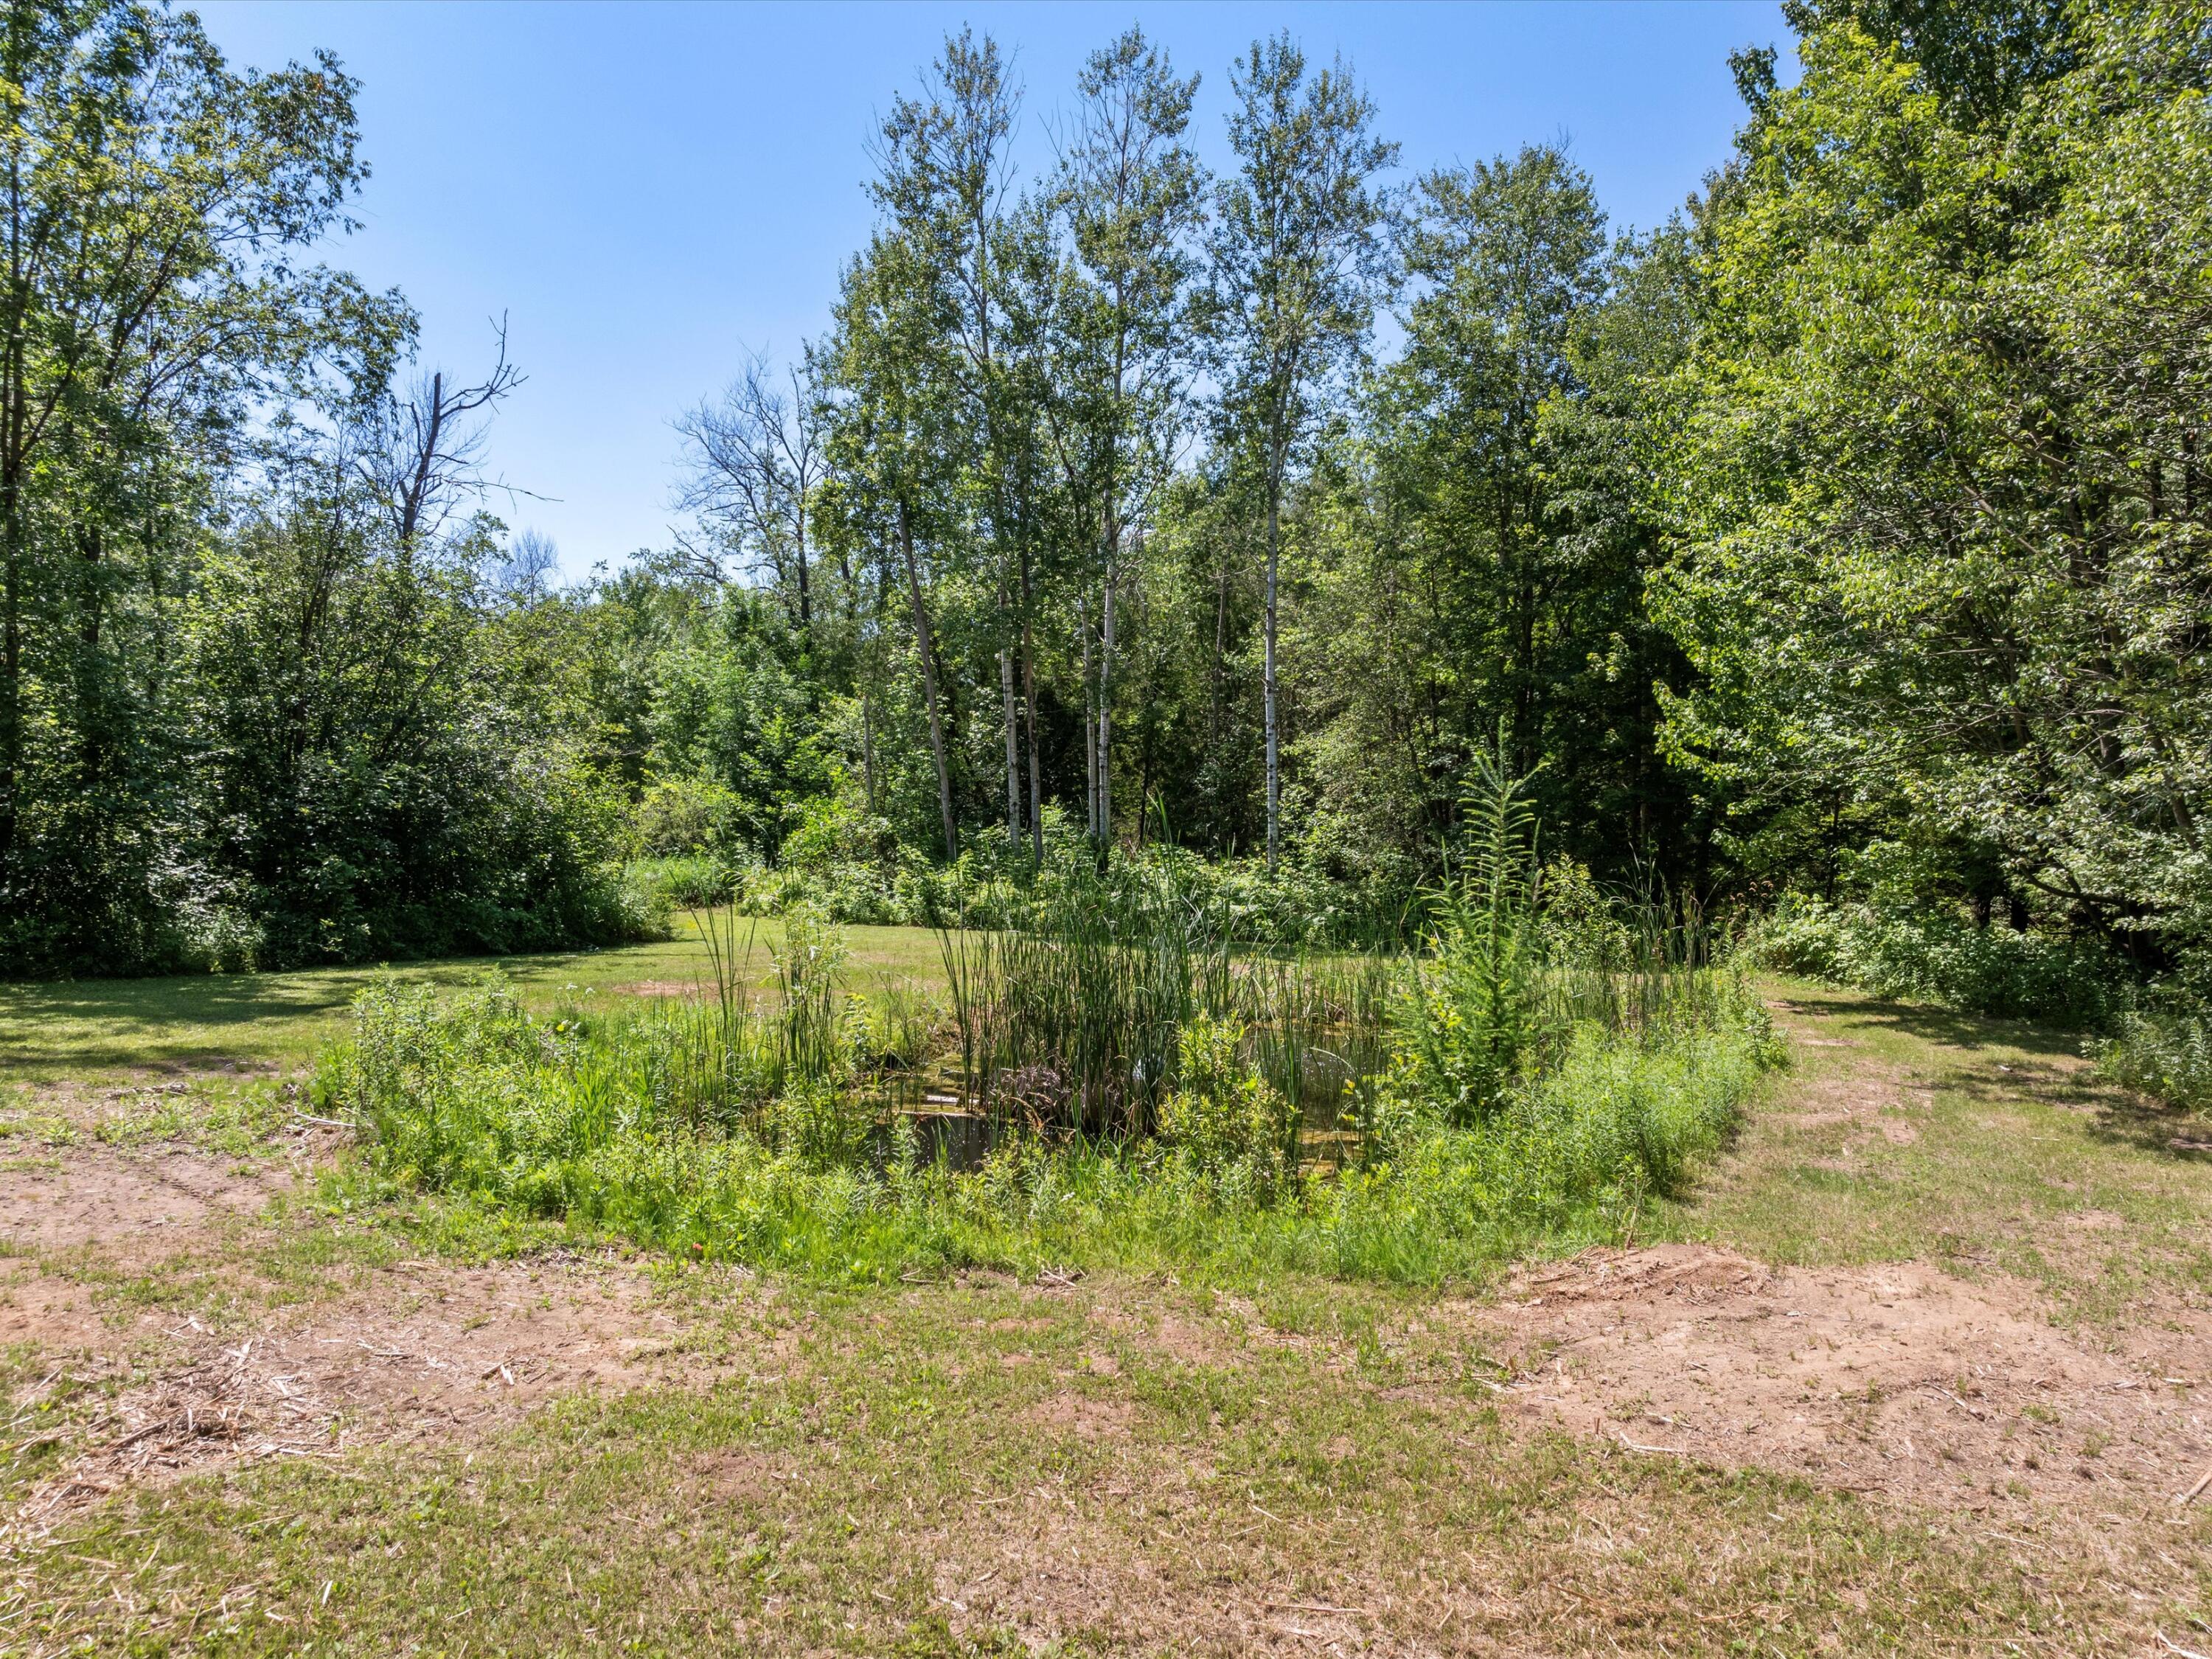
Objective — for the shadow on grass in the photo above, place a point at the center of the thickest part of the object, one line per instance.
(1972, 1033)
(200, 1019)
(2052, 1074)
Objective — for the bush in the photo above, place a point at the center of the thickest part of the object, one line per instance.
(696, 882)
(1941, 956)
(844, 864)
(850, 865)
(1615, 1120)
(2165, 1055)
(686, 817)
(1225, 1121)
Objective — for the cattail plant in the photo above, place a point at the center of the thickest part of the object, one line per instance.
(1072, 1013)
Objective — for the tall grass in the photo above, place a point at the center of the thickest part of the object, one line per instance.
(1161, 1092)
(1527, 964)
(2163, 1052)
(1070, 1011)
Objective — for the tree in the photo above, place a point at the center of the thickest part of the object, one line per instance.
(1132, 197)
(157, 206)
(1473, 557)
(754, 460)
(1299, 259)
(421, 451)
(943, 176)
(1945, 548)
(890, 447)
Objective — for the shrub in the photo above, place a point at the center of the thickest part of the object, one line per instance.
(1941, 956)
(697, 881)
(2166, 1054)
(1471, 1016)
(843, 864)
(1224, 1119)
(686, 817)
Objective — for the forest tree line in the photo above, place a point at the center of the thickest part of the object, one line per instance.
(1846, 529)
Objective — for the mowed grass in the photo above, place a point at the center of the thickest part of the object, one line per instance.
(948, 1471)
(84, 1030)
(1911, 1132)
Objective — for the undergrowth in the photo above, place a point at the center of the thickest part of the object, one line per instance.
(473, 1095)
(1935, 955)
(2165, 1054)
(1524, 1082)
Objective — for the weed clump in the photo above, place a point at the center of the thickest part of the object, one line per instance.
(1225, 1121)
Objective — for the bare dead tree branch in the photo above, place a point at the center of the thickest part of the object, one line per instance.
(754, 458)
(422, 455)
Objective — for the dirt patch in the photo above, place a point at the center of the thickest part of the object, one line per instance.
(416, 1351)
(1868, 1101)
(2095, 1221)
(400, 1351)
(72, 1196)
(1081, 1415)
(1898, 1379)
(659, 987)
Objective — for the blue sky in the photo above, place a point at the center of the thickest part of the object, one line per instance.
(645, 191)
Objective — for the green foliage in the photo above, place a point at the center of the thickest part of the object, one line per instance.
(1940, 956)
(846, 864)
(2165, 1054)
(1614, 1117)
(159, 296)
(694, 883)
(1943, 548)
(1227, 1122)
(667, 1127)
(735, 731)
(381, 795)
(1474, 1010)
(678, 818)
(264, 700)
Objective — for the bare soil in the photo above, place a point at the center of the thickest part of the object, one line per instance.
(407, 1350)
(125, 1200)
(1900, 1379)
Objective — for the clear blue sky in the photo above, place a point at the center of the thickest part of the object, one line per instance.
(646, 190)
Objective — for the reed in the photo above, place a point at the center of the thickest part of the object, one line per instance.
(1069, 1013)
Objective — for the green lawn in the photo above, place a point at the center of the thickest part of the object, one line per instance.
(1914, 1133)
(90, 1029)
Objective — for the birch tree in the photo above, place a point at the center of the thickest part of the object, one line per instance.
(1132, 196)
(1300, 258)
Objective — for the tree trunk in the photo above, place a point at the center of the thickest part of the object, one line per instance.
(805, 588)
(868, 747)
(1090, 730)
(1013, 753)
(1106, 723)
(1030, 707)
(927, 646)
(1274, 772)
(11, 513)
